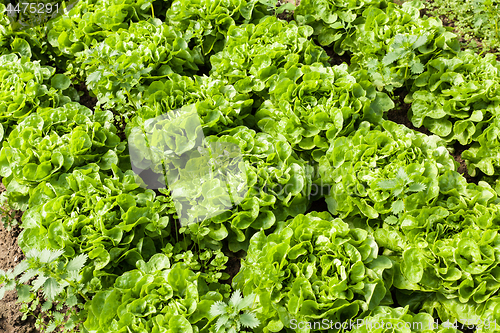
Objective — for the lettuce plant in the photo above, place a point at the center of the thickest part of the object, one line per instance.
(403, 225)
(90, 22)
(253, 53)
(313, 267)
(372, 171)
(206, 23)
(332, 21)
(399, 186)
(218, 104)
(26, 86)
(394, 57)
(449, 99)
(278, 183)
(52, 141)
(482, 153)
(312, 105)
(150, 299)
(150, 49)
(116, 224)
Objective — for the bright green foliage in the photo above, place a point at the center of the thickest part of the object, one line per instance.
(52, 141)
(331, 20)
(26, 85)
(456, 98)
(403, 225)
(462, 268)
(483, 154)
(278, 184)
(383, 171)
(92, 21)
(313, 267)
(155, 298)
(400, 320)
(254, 53)
(394, 57)
(207, 22)
(312, 105)
(399, 186)
(115, 221)
(440, 230)
(115, 67)
(230, 319)
(218, 104)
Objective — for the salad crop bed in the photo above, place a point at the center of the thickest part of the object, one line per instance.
(248, 166)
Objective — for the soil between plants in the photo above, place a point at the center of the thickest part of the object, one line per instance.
(10, 255)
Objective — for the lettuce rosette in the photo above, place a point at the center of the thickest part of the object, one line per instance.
(116, 68)
(224, 186)
(311, 268)
(206, 23)
(109, 218)
(457, 98)
(53, 141)
(312, 105)
(383, 172)
(151, 298)
(254, 52)
(219, 105)
(26, 85)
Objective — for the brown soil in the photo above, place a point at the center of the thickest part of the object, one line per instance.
(462, 169)
(336, 59)
(400, 113)
(447, 22)
(10, 256)
(86, 99)
(286, 15)
(233, 267)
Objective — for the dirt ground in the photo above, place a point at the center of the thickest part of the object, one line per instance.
(10, 316)
(10, 256)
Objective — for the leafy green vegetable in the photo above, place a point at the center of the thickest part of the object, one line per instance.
(206, 22)
(400, 320)
(449, 100)
(90, 22)
(278, 184)
(26, 86)
(383, 171)
(152, 299)
(313, 267)
(52, 141)
(115, 67)
(332, 21)
(253, 53)
(218, 104)
(312, 105)
(393, 56)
